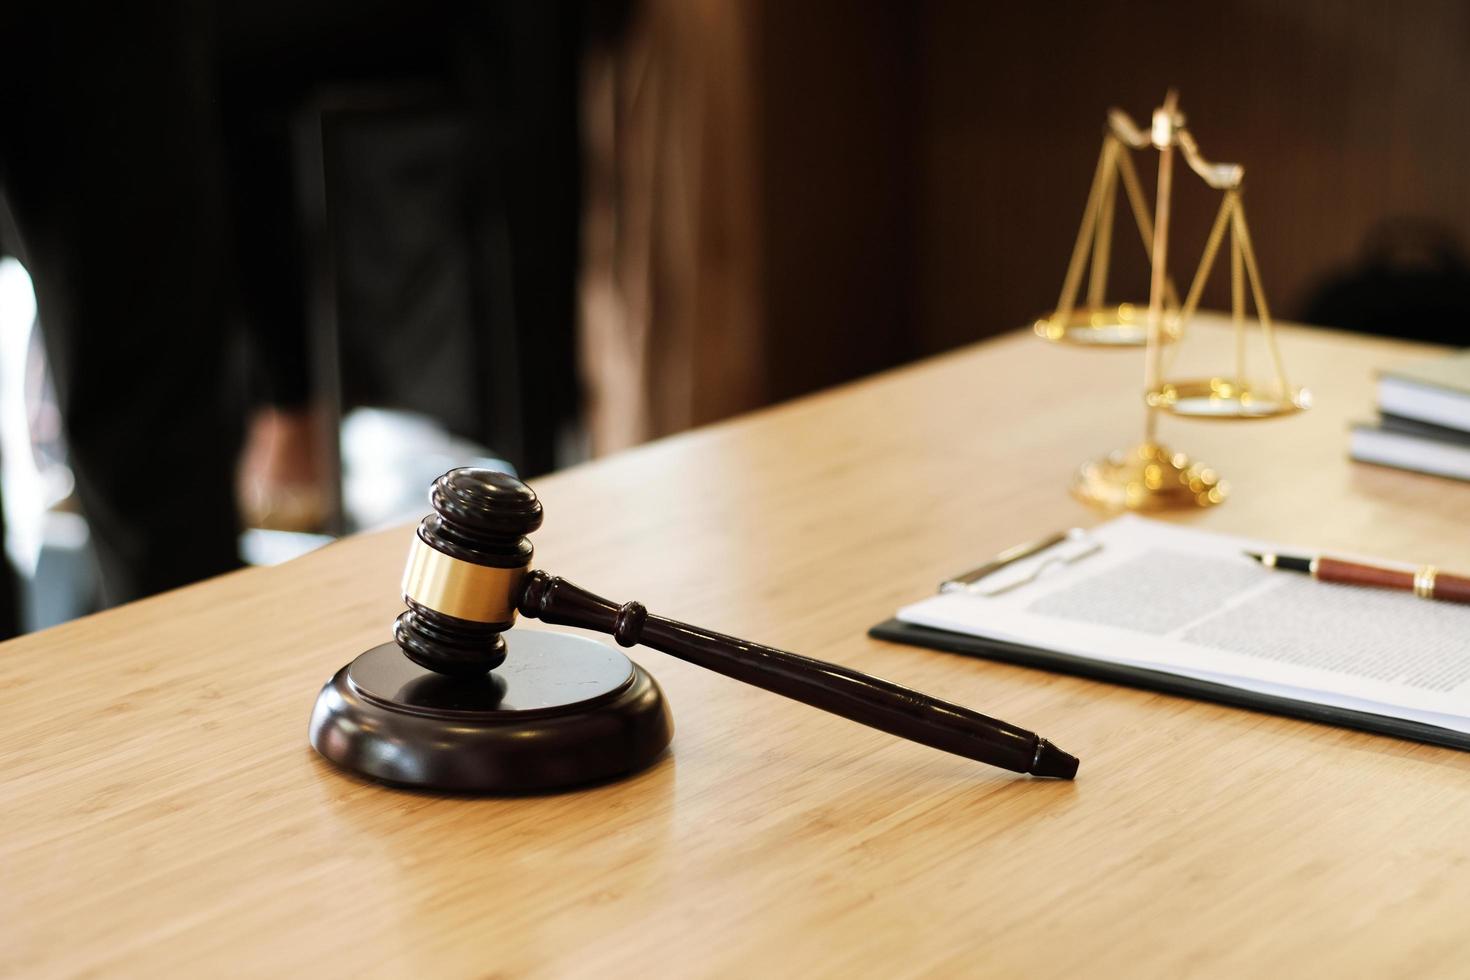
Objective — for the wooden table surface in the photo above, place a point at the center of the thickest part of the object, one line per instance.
(161, 812)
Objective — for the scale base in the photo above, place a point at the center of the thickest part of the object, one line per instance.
(561, 711)
(1148, 477)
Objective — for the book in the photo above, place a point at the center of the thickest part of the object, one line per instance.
(1185, 611)
(1435, 391)
(1408, 444)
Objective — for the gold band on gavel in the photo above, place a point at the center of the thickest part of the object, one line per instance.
(461, 589)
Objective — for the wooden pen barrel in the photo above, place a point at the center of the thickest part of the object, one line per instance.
(1427, 582)
(1351, 573)
(1451, 588)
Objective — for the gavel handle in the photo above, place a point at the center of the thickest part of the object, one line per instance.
(854, 695)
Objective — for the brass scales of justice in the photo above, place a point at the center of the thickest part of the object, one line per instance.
(1151, 476)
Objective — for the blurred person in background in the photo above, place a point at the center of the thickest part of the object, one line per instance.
(146, 156)
(109, 162)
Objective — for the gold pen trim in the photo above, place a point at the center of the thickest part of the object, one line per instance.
(462, 589)
(1424, 581)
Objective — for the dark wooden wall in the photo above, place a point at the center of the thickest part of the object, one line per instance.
(840, 188)
(926, 163)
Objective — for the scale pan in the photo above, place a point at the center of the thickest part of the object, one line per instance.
(1124, 325)
(1221, 398)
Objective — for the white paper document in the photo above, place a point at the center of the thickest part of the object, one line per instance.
(1190, 603)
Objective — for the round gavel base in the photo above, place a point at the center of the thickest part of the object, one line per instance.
(561, 710)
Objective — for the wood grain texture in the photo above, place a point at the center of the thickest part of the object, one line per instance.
(161, 812)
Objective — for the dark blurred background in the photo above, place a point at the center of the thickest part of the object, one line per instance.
(926, 164)
(900, 179)
(525, 233)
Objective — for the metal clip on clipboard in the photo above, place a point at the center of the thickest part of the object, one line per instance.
(968, 581)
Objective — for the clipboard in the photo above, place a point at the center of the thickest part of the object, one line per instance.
(909, 634)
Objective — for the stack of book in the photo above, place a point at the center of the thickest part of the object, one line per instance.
(1424, 419)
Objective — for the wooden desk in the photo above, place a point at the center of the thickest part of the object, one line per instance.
(162, 813)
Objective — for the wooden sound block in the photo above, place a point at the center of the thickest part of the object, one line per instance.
(560, 711)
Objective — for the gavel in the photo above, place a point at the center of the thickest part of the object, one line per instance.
(469, 574)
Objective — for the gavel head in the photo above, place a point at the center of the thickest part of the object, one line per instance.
(465, 572)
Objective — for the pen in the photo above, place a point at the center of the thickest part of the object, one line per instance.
(1426, 582)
